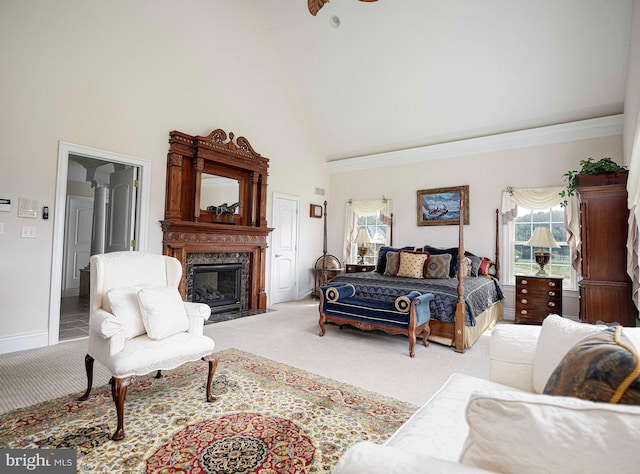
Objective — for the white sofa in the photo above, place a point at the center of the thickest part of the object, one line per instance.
(506, 424)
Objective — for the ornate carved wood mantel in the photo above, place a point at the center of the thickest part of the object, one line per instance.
(188, 229)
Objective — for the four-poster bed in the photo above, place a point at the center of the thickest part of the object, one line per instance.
(461, 307)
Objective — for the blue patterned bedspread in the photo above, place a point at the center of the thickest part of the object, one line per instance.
(480, 292)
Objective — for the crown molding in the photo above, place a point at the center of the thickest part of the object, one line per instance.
(566, 132)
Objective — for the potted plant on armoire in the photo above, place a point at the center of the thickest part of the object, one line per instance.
(605, 288)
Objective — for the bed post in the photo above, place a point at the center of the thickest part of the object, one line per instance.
(497, 256)
(461, 318)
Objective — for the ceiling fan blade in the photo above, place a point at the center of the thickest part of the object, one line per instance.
(316, 5)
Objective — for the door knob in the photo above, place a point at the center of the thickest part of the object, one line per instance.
(278, 255)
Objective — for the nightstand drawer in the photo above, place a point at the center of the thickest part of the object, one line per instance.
(357, 268)
(536, 298)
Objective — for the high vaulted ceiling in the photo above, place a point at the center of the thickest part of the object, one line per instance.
(398, 74)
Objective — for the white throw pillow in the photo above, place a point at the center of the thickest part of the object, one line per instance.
(557, 336)
(163, 312)
(124, 306)
(529, 433)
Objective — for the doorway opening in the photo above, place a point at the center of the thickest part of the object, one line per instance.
(102, 201)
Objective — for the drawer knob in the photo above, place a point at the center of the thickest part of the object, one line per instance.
(524, 311)
(524, 291)
(524, 282)
(523, 301)
(552, 304)
(552, 283)
(552, 293)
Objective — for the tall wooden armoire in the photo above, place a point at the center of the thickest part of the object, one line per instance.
(605, 290)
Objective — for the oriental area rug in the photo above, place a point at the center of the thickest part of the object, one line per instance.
(268, 418)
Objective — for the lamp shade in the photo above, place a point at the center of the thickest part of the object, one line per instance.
(363, 236)
(542, 237)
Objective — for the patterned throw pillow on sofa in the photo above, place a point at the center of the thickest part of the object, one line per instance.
(393, 258)
(604, 367)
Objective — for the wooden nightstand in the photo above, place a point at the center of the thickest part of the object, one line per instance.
(357, 268)
(537, 297)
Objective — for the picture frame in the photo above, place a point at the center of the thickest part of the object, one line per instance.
(441, 206)
(315, 211)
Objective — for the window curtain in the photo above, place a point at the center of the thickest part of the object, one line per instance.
(633, 203)
(544, 198)
(364, 207)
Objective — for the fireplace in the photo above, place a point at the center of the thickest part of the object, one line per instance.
(218, 286)
(198, 238)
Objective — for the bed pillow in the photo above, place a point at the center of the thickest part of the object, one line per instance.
(453, 251)
(521, 432)
(382, 257)
(411, 264)
(163, 312)
(438, 267)
(604, 367)
(392, 263)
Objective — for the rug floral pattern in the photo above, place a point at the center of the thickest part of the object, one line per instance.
(268, 418)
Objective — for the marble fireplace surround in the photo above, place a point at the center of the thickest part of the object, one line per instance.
(208, 258)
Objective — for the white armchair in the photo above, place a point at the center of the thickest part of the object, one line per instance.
(138, 323)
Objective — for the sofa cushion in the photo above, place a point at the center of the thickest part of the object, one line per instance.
(557, 336)
(366, 457)
(163, 312)
(411, 264)
(512, 350)
(604, 367)
(123, 304)
(530, 433)
(439, 428)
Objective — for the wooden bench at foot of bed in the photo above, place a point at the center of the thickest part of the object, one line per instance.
(409, 314)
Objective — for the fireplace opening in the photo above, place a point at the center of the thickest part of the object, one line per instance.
(217, 285)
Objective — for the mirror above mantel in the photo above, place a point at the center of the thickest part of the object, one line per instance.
(215, 179)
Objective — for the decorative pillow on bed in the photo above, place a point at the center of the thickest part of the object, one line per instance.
(412, 264)
(453, 252)
(393, 258)
(382, 257)
(438, 266)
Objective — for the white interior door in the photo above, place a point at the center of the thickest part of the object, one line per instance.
(77, 246)
(121, 210)
(284, 244)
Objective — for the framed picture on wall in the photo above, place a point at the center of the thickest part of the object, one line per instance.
(441, 206)
(315, 210)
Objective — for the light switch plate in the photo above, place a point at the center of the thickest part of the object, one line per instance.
(1, 228)
(28, 232)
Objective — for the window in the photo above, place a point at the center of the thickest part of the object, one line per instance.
(379, 234)
(520, 259)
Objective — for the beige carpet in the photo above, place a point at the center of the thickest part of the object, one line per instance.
(371, 360)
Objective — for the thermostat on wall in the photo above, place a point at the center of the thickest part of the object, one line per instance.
(28, 208)
(5, 205)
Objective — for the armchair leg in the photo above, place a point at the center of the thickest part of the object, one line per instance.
(119, 393)
(213, 363)
(158, 374)
(88, 365)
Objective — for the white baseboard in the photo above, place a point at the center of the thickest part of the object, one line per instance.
(23, 341)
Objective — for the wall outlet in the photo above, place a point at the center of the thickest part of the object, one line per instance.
(28, 232)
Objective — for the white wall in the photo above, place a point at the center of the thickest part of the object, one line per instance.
(487, 175)
(119, 76)
(632, 93)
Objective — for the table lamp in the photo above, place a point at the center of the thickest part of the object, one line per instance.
(542, 238)
(363, 239)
